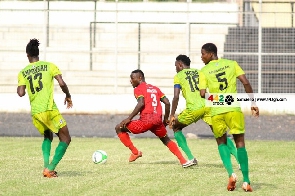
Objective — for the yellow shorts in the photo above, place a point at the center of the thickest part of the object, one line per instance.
(188, 117)
(232, 120)
(51, 120)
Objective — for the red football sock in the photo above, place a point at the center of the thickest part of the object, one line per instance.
(125, 139)
(175, 150)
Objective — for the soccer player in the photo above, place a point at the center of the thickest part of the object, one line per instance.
(149, 100)
(37, 78)
(187, 80)
(220, 77)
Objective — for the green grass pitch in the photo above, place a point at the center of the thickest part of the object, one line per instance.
(272, 169)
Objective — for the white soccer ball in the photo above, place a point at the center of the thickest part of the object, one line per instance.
(99, 157)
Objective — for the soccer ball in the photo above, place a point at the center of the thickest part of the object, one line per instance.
(99, 157)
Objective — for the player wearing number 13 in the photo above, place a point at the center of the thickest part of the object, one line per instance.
(220, 77)
(37, 78)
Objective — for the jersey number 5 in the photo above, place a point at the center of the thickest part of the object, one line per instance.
(193, 82)
(37, 76)
(223, 80)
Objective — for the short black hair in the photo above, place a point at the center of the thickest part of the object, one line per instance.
(32, 48)
(210, 47)
(138, 71)
(183, 58)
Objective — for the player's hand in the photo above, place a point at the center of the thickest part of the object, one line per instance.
(69, 102)
(166, 122)
(124, 123)
(255, 111)
(171, 121)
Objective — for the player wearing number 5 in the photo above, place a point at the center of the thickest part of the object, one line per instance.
(220, 77)
(187, 80)
(37, 79)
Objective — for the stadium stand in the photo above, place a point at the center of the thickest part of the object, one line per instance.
(277, 69)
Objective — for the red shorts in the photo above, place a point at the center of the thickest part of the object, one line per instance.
(148, 122)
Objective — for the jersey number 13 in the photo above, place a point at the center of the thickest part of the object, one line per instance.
(37, 76)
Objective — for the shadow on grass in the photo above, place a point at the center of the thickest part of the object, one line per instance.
(257, 186)
(200, 165)
(155, 162)
(210, 165)
(73, 173)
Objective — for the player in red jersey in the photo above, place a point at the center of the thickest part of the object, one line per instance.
(149, 100)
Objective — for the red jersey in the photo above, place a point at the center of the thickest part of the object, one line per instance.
(152, 96)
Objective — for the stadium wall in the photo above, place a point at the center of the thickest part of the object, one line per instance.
(64, 15)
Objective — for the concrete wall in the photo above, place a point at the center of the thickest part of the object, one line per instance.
(106, 89)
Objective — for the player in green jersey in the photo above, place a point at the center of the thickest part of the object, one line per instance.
(37, 79)
(187, 81)
(220, 77)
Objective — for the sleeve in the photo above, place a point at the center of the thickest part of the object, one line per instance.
(138, 93)
(202, 81)
(160, 94)
(21, 79)
(54, 70)
(176, 82)
(239, 70)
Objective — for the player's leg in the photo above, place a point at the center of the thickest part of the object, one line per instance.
(232, 148)
(219, 130)
(46, 146)
(48, 136)
(230, 144)
(125, 139)
(135, 127)
(60, 128)
(182, 121)
(161, 132)
(236, 123)
(243, 157)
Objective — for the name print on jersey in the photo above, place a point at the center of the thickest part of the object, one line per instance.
(219, 70)
(34, 70)
(151, 90)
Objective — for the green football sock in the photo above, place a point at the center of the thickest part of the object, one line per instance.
(243, 157)
(232, 148)
(59, 153)
(46, 147)
(181, 141)
(225, 157)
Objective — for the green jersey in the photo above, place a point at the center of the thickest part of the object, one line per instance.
(38, 79)
(188, 80)
(221, 77)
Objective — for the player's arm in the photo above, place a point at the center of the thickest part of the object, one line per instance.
(175, 101)
(166, 101)
(202, 84)
(249, 90)
(136, 110)
(21, 90)
(64, 89)
(246, 83)
(202, 92)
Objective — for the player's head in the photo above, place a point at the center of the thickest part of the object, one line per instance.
(209, 52)
(136, 77)
(182, 61)
(32, 48)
